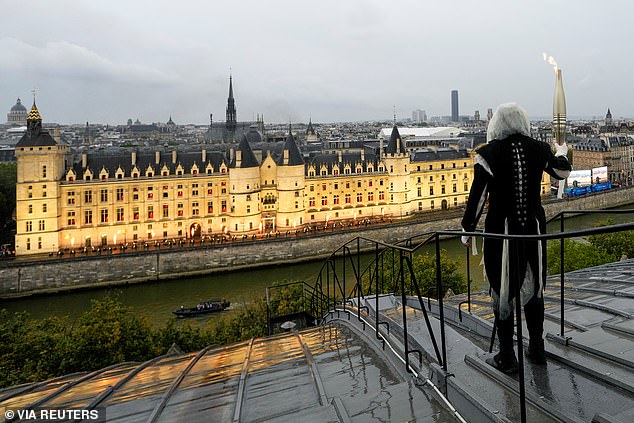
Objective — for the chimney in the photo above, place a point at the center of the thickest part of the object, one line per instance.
(339, 156)
(380, 148)
(57, 135)
(285, 157)
(173, 156)
(204, 155)
(84, 159)
(157, 157)
(362, 155)
(133, 157)
(238, 157)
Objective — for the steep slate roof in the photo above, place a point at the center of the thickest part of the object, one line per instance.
(248, 159)
(392, 145)
(329, 160)
(429, 155)
(112, 162)
(294, 156)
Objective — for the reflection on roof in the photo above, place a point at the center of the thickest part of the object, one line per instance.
(289, 377)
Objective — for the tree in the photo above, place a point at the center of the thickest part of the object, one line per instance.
(8, 178)
(424, 269)
(577, 255)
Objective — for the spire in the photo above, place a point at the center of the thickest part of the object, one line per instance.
(231, 122)
(246, 156)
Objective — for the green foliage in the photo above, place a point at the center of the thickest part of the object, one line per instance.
(615, 244)
(577, 255)
(108, 333)
(8, 177)
(424, 268)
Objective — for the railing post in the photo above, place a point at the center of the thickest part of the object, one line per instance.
(561, 276)
(518, 311)
(344, 278)
(469, 278)
(441, 310)
(404, 307)
(376, 294)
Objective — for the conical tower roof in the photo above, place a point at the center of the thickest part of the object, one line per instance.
(35, 136)
(396, 144)
(247, 158)
(294, 155)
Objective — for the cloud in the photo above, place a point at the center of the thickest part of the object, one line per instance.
(65, 60)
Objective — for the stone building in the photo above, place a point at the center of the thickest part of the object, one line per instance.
(108, 199)
(17, 114)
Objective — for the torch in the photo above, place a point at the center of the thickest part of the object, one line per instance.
(559, 115)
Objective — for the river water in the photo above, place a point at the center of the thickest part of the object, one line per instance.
(156, 300)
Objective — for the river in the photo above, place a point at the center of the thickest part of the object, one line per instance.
(155, 301)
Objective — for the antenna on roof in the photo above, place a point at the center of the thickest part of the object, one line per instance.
(394, 106)
(33, 92)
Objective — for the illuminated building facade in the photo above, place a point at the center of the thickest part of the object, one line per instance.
(102, 199)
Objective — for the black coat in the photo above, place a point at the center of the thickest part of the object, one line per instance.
(509, 172)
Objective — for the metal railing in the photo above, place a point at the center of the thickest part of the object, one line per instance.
(390, 268)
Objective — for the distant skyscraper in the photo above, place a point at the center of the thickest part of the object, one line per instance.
(455, 115)
(419, 116)
(231, 121)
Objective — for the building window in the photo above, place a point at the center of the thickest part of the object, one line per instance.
(150, 212)
(348, 199)
(87, 217)
(29, 226)
(223, 206)
(195, 193)
(135, 213)
(195, 211)
(359, 197)
(104, 216)
(210, 207)
(30, 191)
(335, 199)
(120, 214)
(455, 188)
(119, 194)
(166, 210)
(420, 191)
(135, 193)
(431, 190)
(44, 171)
(30, 208)
(311, 202)
(210, 191)
(71, 217)
(87, 197)
(466, 187)
(150, 194)
(442, 189)
(370, 196)
(381, 195)
(71, 198)
(248, 209)
(28, 243)
(432, 204)
(324, 200)
(42, 225)
(104, 195)
(442, 165)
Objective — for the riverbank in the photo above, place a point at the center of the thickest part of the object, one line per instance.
(22, 278)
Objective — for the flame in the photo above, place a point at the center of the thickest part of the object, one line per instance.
(551, 61)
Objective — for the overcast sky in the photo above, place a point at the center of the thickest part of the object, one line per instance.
(107, 61)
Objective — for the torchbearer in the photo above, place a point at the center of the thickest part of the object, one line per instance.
(508, 170)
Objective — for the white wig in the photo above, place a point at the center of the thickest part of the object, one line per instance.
(508, 119)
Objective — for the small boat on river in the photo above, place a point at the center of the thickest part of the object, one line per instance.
(204, 307)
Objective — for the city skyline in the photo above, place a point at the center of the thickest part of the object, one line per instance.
(110, 62)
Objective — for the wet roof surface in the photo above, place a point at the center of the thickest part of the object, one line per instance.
(284, 378)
